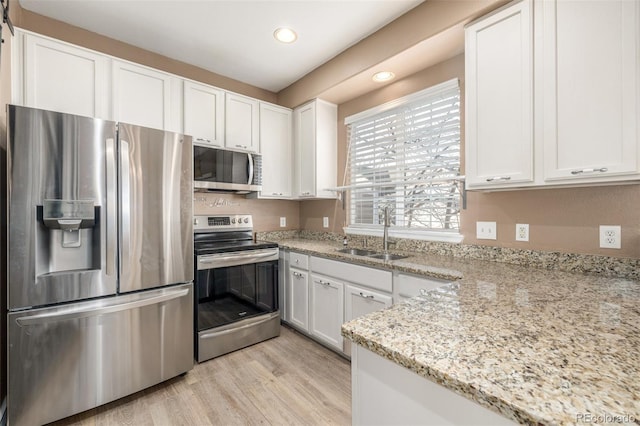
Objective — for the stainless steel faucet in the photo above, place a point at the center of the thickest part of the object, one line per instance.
(385, 234)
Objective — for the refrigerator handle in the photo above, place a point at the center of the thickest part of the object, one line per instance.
(93, 311)
(250, 169)
(125, 211)
(111, 210)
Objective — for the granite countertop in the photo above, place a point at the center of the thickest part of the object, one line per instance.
(536, 345)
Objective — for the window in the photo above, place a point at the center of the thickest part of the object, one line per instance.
(405, 156)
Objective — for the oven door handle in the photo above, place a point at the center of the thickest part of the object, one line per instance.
(222, 261)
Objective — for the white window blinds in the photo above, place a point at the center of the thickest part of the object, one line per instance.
(405, 155)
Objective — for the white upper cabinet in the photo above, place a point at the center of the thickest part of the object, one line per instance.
(242, 122)
(146, 97)
(315, 130)
(275, 146)
(566, 114)
(203, 113)
(499, 99)
(590, 88)
(60, 77)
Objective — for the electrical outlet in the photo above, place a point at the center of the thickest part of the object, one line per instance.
(610, 236)
(486, 230)
(283, 222)
(325, 222)
(522, 232)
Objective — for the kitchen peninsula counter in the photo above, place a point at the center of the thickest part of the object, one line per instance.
(535, 345)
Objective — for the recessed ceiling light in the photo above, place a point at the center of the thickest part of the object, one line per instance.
(383, 76)
(285, 35)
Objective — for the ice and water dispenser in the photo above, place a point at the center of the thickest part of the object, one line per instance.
(72, 241)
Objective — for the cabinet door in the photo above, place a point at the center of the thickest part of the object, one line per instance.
(241, 122)
(145, 97)
(499, 99)
(327, 310)
(305, 128)
(61, 77)
(204, 113)
(590, 91)
(361, 301)
(275, 143)
(408, 286)
(299, 299)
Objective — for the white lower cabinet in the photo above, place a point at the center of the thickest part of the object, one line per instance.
(361, 301)
(406, 286)
(298, 308)
(385, 393)
(327, 310)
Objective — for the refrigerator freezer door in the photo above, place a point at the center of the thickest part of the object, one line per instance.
(62, 235)
(156, 198)
(71, 358)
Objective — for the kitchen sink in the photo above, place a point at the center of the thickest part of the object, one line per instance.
(387, 256)
(357, 252)
(372, 254)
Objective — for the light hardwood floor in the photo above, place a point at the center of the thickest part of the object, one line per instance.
(289, 380)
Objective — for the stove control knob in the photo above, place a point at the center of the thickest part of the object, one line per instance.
(233, 220)
(246, 220)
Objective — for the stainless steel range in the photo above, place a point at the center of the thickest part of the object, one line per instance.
(236, 283)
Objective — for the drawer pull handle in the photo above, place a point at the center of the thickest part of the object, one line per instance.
(370, 296)
(491, 179)
(325, 283)
(203, 140)
(597, 170)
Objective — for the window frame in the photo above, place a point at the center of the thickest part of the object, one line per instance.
(453, 235)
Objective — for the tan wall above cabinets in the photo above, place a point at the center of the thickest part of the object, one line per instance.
(563, 110)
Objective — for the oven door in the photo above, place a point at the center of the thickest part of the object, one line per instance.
(234, 286)
(237, 301)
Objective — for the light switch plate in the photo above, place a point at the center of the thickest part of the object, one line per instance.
(610, 236)
(283, 222)
(486, 231)
(325, 222)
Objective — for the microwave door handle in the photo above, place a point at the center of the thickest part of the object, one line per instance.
(250, 169)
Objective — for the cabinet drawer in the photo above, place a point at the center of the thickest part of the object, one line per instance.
(407, 286)
(363, 275)
(298, 260)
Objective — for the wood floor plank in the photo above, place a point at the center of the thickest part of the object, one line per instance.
(286, 380)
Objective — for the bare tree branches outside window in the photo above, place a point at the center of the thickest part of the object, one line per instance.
(407, 159)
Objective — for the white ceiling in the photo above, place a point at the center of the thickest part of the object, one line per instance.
(233, 38)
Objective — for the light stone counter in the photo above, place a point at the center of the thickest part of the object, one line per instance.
(536, 345)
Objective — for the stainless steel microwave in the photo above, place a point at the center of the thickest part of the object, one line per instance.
(218, 169)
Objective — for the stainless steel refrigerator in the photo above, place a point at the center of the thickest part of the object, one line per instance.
(99, 262)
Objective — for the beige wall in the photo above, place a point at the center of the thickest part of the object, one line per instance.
(266, 213)
(564, 220)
